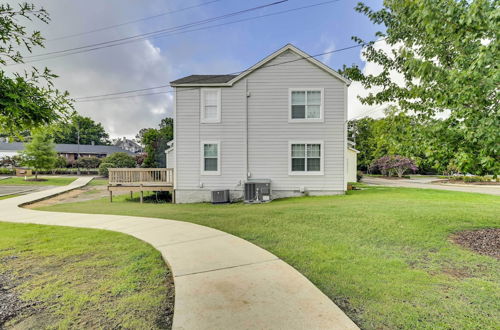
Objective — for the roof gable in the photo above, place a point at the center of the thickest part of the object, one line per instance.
(262, 63)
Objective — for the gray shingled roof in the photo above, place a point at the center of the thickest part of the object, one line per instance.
(204, 79)
(68, 148)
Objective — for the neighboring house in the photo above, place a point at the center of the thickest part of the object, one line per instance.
(69, 151)
(129, 145)
(283, 120)
(352, 162)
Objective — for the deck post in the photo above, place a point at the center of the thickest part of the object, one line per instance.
(111, 196)
(131, 194)
(142, 194)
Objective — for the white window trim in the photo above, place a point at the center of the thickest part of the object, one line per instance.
(306, 120)
(202, 158)
(202, 106)
(322, 158)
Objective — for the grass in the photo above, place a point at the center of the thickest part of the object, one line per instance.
(49, 181)
(84, 278)
(382, 254)
(98, 182)
(8, 196)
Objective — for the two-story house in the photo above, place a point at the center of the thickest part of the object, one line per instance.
(283, 119)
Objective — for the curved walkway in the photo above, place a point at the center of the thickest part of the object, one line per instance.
(221, 281)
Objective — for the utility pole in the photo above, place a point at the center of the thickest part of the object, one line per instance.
(78, 148)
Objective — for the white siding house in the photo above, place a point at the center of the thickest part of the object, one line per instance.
(283, 119)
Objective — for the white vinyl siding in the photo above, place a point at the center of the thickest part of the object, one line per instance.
(306, 104)
(305, 158)
(269, 130)
(210, 158)
(210, 105)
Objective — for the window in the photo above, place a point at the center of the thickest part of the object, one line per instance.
(210, 105)
(306, 104)
(210, 158)
(306, 158)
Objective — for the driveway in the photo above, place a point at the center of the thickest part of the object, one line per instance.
(426, 182)
(6, 190)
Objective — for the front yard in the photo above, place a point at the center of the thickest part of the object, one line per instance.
(384, 255)
(60, 278)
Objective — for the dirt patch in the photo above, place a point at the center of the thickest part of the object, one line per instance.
(483, 241)
(78, 195)
(10, 303)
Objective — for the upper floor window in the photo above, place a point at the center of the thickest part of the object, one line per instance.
(210, 105)
(306, 104)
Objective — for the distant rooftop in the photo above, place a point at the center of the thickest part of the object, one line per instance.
(68, 148)
(204, 79)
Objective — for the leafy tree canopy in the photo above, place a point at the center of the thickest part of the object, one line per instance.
(29, 99)
(447, 51)
(39, 153)
(155, 142)
(82, 129)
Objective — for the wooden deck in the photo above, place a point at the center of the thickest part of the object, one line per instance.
(140, 179)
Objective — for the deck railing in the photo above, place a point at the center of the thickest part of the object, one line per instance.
(141, 176)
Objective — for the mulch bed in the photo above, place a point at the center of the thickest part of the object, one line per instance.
(483, 241)
(491, 183)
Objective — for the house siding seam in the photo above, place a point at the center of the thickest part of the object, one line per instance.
(269, 132)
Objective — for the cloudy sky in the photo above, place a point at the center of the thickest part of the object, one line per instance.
(206, 49)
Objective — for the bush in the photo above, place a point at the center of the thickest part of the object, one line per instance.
(120, 160)
(6, 171)
(391, 165)
(103, 169)
(60, 162)
(88, 162)
(359, 175)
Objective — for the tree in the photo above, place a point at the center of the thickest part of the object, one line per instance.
(81, 130)
(155, 142)
(447, 52)
(27, 100)
(39, 153)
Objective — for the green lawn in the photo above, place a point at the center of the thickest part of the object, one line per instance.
(49, 181)
(8, 196)
(83, 278)
(99, 182)
(382, 254)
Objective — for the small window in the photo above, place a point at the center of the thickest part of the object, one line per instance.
(210, 154)
(306, 104)
(306, 158)
(210, 105)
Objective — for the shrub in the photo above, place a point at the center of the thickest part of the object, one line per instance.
(60, 162)
(120, 160)
(88, 162)
(391, 165)
(6, 171)
(10, 161)
(103, 168)
(359, 175)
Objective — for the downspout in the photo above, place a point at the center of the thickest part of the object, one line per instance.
(247, 166)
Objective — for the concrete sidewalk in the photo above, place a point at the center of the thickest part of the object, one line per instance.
(221, 281)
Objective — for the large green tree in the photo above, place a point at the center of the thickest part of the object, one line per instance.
(155, 142)
(39, 153)
(79, 129)
(447, 51)
(29, 99)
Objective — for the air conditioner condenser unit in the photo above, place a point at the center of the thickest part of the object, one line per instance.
(257, 191)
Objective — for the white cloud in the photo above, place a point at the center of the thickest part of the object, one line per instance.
(356, 108)
(132, 66)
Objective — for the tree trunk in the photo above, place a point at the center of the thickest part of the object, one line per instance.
(36, 175)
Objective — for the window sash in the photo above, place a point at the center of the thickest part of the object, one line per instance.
(306, 157)
(210, 105)
(210, 157)
(306, 104)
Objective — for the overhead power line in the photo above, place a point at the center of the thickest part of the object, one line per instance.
(104, 97)
(153, 33)
(163, 35)
(132, 21)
